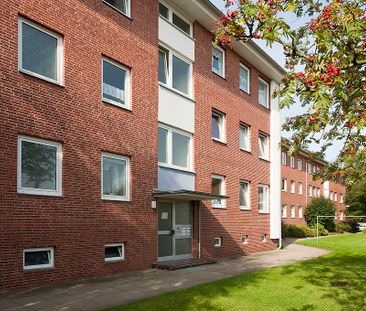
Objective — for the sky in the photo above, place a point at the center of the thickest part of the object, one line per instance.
(276, 52)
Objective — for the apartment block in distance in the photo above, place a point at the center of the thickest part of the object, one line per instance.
(128, 140)
(299, 188)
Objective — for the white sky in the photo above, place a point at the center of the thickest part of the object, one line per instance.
(276, 53)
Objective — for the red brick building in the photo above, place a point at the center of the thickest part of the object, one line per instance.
(299, 188)
(127, 140)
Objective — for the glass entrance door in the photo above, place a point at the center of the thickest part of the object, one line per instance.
(174, 230)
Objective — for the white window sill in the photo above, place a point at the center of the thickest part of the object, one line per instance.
(264, 106)
(37, 268)
(264, 159)
(221, 75)
(36, 75)
(177, 168)
(119, 105)
(117, 259)
(50, 193)
(263, 212)
(242, 208)
(115, 198)
(221, 141)
(219, 206)
(246, 150)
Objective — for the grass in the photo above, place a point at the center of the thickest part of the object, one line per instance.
(333, 282)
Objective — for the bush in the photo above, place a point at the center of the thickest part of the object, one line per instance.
(342, 227)
(364, 230)
(353, 224)
(321, 207)
(321, 230)
(297, 231)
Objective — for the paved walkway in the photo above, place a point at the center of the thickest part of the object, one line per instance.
(97, 294)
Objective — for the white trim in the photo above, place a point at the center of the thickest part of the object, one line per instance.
(247, 207)
(266, 199)
(292, 161)
(245, 239)
(299, 188)
(299, 167)
(292, 212)
(43, 266)
(242, 66)
(292, 186)
(122, 257)
(127, 85)
(219, 240)
(300, 215)
(248, 140)
(222, 124)
(284, 211)
(59, 54)
(268, 92)
(266, 155)
(128, 13)
(222, 191)
(284, 184)
(58, 182)
(223, 61)
(283, 158)
(127, 177)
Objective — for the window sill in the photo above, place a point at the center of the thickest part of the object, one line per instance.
(263, 159)
(111, 102)
(113, 260)
(169, 88)
(117, 199)
(219, 141)
(245, 208)
(264, 212)
(246, 151)
(245, 92)
(40, 77)
(219, 207)
(267, 108)
(119, 11)
(40, 269)
(176, 168)
(218, 74)
(40, 193)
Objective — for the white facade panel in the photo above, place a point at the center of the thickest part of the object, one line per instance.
(326, 189)
(176, 39)
(172, 179)
(176, 110)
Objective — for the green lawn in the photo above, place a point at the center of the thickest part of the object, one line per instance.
(333, 282)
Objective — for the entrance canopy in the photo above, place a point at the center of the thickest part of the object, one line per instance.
(186, 195)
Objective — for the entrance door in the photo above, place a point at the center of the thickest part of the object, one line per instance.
(174, 230)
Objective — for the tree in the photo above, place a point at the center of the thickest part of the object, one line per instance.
(321, 207)
(356, 199)
(326, 62)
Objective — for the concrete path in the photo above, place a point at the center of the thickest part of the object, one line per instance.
(97, 294)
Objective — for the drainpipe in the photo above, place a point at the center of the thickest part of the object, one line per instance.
(306, 182)
(199, 229)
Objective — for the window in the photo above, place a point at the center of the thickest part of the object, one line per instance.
(218, 188)
(244, 75)
(116, 80)
(292, 186)
(299, 188)
(217, 128)
(245, 239)
(38, 258)
(175, 19)
(263, 93)
(174, 148)
(218, 61)
(331, 196)
(292, 161)
(315, 169)
(341, 216)
(244, 195)
(39, 166)
(264, 238)
(263, 148)
(174, 71)
(292, 211)
(335, 196)
(309, 168)
(263, 199)
(115, 177)
(114, 252)
(318, 192)
(244, 139)
(310, 191)
(300, 212)
(284, 184)
(314, 192)
(283, 158)
(40, 52)
(341, 198)
(299, 164)
(122, 6)
(218, 241)
(284, 211)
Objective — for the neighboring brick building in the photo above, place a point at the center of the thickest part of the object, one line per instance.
(299, 187)
(127, 140)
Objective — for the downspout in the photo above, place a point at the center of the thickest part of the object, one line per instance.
(306, 183)
(199, 229)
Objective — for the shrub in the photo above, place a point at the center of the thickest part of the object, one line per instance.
(321, 207)
(321, 230)
(353, 225)
(364, 230)
(342, 227)
(297, 231)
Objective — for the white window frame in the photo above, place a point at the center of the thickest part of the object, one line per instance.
(266, 157)
(292, 212)
(36, 191)
(299, 164)
(222, 191)
(242, 125)
(284, 211)
(318, 192)
(268, 92)
(264, 238)
(292, 161)
(310, 191)
(309, 166)
(242, 66)
(59, 54)
(283, 158)
(284, 184)
(128, 13)
(300, 212)
(341, 198)
(169, 73)
(222, 124)
(245, 239)
(314, 192)
(292, 186)
(127, 104)
(223, 61)
(266, 201)
(38, 267)
(169, 146)
(218, 241)
(335, 197)
(331, 195)
(247, 195)
(170, 19)
(299, 188)
(121, 258)
(128, 177)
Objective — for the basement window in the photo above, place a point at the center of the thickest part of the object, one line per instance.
(245, 239)
(114, 252)
(264, 238)
(38, 258)
(218, 241)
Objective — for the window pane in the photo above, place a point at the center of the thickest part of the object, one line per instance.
(114, 177)
(260, 198)
(163, 66)
(114, 83)
(263, 93)
(181, 24)
(39, 52)
(216, 126)
(163, 11)
(217, 61)
(244, 137)
(120, 5)
(38, 166)
(216, 186)
(262, 146)
(162, 138)
(113, 251)
(244, 187)
(244, 82)
(180, 150)
(36, 258)
(180, 75)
